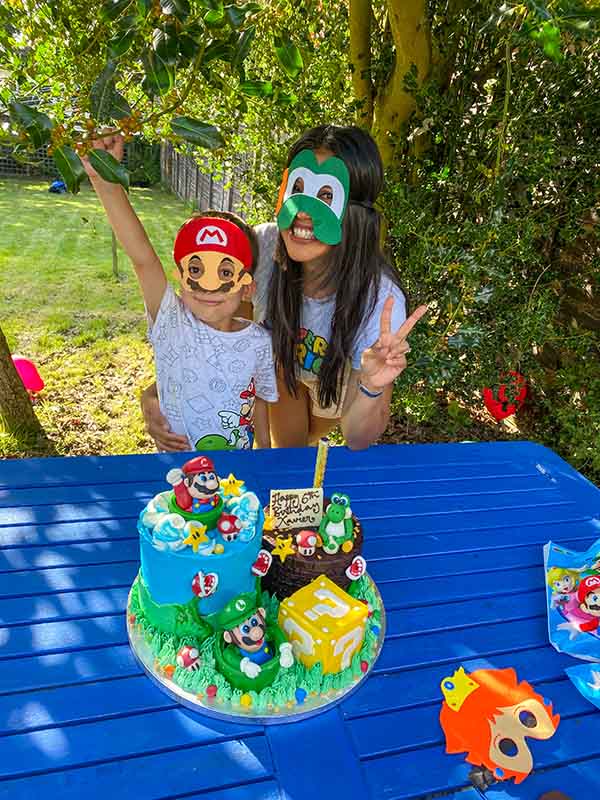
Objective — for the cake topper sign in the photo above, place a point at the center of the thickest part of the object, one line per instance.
(296, 508)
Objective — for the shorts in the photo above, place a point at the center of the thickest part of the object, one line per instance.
(334, 411)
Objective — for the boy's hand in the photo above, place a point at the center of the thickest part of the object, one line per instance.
(113, 144)
(157, 426)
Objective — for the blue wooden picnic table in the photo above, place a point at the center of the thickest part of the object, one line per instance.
(453, 538)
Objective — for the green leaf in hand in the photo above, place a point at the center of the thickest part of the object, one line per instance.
(198, 133)
(120, 107)
(144, 7)
(70, 167)
(159, 76)
(122, 41)
(215, 18)
(235, 15)
(111, 9)
(36, 124)
(218, 49)
(288, 56)
(102, 94)
(164, 42)
(256, 88)
(109, 168)
(176, 8)
(242, 47)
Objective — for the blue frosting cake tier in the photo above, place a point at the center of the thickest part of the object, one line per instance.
(169, 566)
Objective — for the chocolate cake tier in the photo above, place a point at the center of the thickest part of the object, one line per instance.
(286, 577)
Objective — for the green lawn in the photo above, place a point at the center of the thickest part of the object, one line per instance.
(85, 329)
(63, 308)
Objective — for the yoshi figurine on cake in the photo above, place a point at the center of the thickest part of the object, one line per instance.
(336, 527)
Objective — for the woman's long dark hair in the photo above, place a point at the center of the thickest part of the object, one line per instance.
(355, 266)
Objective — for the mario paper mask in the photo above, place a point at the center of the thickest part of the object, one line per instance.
(212, 255)
(489, 714)
(319, 190)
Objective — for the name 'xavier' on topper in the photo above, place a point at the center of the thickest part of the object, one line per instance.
(296, 508)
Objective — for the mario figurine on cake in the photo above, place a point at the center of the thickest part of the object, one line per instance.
(195, 491)
(195, 485)
(250, 651)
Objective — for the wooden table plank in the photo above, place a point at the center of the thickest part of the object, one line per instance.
(66, 668)
(421, 686)
(14, 559)
(125, 737)
(49, 708)
(64, 606)
(167, 773)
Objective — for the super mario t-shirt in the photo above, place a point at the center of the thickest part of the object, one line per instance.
(317, 314)
(208, 379)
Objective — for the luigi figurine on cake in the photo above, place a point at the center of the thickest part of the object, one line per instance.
(250, 651)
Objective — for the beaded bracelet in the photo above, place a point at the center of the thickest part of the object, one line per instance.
(368, 392)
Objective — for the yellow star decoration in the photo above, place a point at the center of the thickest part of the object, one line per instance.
(196, 536)
(231, 486)
(283, 548)
(270, 523)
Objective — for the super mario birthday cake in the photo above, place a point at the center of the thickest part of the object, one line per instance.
(241, 613)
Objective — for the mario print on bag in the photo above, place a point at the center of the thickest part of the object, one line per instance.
(310, 350)
(573, 600)
(586, 616)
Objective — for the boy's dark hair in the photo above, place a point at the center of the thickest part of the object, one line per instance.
(247, 229)
(355, 267)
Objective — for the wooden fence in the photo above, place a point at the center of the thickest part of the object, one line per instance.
(182, 175)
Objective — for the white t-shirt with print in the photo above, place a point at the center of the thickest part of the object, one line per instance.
(317, 314)
(207, 379)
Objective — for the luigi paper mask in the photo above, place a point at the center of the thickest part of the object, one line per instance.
(319, 190)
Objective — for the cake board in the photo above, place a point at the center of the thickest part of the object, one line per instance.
(312, 705)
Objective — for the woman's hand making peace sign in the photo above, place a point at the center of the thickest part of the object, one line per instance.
(381, 363)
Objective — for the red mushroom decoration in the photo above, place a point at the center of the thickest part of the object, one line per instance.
(188, 658)
(205, 585)
(229, 526)
(357, 568)
(307, 542)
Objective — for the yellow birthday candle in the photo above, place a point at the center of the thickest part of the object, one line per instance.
(321, 463)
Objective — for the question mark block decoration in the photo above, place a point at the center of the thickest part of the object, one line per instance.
(323, 623)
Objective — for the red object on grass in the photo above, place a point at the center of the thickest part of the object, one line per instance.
(28, 373)
(502, 406)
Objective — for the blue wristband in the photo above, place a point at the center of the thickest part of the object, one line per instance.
(368, 392)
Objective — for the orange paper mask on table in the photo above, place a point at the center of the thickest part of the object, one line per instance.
(489, 714)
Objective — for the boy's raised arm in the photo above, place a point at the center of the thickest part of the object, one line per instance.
(128, 229)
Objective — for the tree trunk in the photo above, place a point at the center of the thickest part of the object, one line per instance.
(389, 105)
(16, 411)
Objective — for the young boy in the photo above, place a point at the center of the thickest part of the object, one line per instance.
(214, 371)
